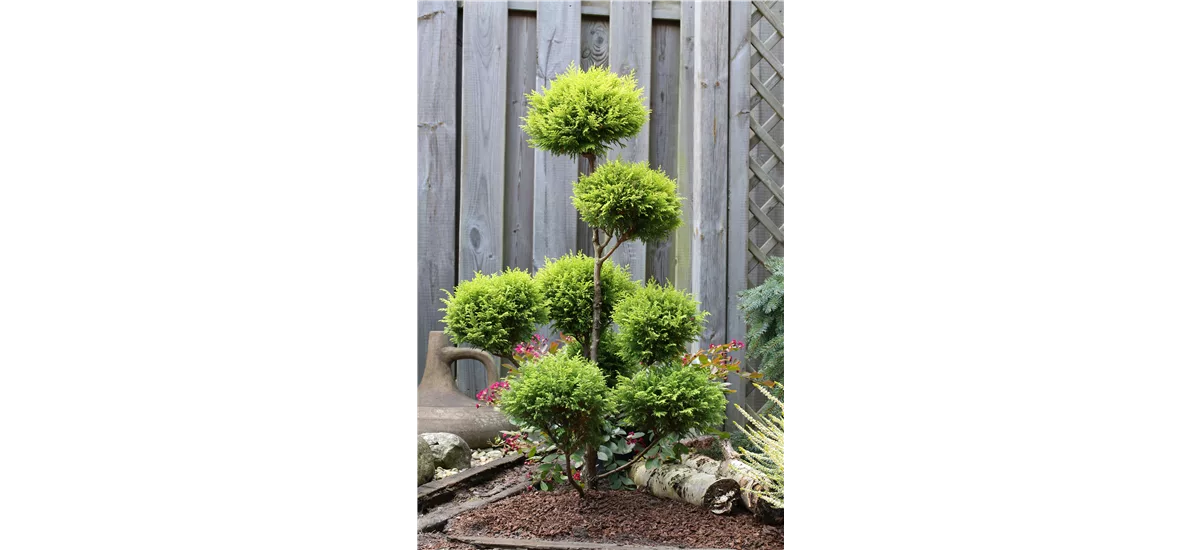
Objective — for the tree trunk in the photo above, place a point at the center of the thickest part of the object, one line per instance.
(679, 482)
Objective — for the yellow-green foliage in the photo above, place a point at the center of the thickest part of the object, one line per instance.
(629, 199)
(567, 285)
(670, 400)
(657, 323)
(563, 395)
(494, 312)
(765, 432)
(608, 357)
(584, 112)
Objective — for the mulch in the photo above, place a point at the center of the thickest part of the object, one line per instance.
(618, 517)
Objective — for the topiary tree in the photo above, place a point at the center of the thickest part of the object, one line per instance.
(657, 323)
(569, 287)
(565, 397)
(584, 114)
(495, 312)
(763, 305)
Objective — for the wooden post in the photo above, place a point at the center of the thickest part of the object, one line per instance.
(739, 182)
(710, 148)
(481, 200)
(437, 29)
(681, 263)
(629, 25)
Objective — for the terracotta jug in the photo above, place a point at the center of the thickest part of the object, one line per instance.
(442, 408)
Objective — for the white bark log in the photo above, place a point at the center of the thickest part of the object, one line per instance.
(726, 469)
(679, 482)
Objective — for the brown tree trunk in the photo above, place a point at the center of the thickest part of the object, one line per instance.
(590, 453)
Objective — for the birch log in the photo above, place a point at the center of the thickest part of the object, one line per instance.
(679, 482)
(725, 469)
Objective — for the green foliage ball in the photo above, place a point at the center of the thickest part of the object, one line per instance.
(494, 312)
(608, 357)
(670, 400)
(561, 394)
(657, 323)
(584, 112)
(567, 285)
(622, 197)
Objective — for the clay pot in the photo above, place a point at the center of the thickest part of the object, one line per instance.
(442, 408)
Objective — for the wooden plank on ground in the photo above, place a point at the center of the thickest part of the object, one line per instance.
(739, 182)
(554, 222)
(541, 544)
(630, 30)
(710, 151)
(518, 155)
(481, 198)
(437, 520)
(437, 28)
(466, 478)
(664, 132)
(681, 261)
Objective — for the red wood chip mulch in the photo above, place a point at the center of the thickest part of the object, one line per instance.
(618, 517)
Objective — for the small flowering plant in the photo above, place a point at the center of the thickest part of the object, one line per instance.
(720, 362)
(491, 395)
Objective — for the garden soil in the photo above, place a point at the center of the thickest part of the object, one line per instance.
(617, 517)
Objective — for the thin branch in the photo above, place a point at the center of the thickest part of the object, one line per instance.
(631, 461)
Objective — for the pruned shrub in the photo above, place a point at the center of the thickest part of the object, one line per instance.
(629, 200)
(565, 397)
(494, 312)
(669, 400)
(657, 323)
(567, 283)
(584, 112)
(610, 360)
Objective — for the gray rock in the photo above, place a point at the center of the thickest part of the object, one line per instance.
(426, 463)
(449, 450)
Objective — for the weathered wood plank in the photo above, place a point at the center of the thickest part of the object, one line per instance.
(664, 132)
(470, 477)
(663, 9)
(710, 167)
(540, 544)
(681, 261)
(518, 155)
(436, 170)
(555, 218)
(739, 189)
(630, 28)
(437, 520)
(481, 195)
(594, 50)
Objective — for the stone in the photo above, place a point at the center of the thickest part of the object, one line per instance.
(426, 463)
(449, 450)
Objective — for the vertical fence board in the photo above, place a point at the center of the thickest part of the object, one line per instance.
(518, 155)
(593, 51)
(630, 28)
(436, 170)
(681, 261)
(481, 222)
(709, 164)
(664, 136)
(739, 182)
(558, 39)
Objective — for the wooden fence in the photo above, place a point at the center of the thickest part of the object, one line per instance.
(713, 76)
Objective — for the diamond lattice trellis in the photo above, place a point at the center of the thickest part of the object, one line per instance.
(765, 201)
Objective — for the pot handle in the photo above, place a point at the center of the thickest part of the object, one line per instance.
(451, 353)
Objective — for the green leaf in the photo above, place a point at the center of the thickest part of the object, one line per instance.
(602, 454)
(544, 486)
(680, 449)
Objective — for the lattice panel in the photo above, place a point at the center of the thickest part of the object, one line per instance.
(765, 203)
